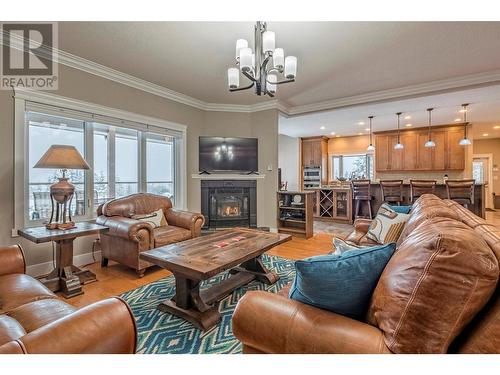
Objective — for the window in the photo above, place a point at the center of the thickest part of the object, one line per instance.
(160, 165)
(44, 131)
(352, 166)
(123, 160)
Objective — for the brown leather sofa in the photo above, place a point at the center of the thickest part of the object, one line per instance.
(128, 237)
(439, 293)
(34, 320)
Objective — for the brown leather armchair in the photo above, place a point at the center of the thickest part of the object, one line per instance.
(128, 237)
(439, 293)
(34, 320)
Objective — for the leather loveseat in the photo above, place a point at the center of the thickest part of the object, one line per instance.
(128, 237)
(439, 293)
(34, 320)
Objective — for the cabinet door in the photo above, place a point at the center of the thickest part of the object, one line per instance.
(395, 156)
(316, 153)
(456, 153)
(306, 152)
(381, 153)
(424, 162)
(409, 140)
(439, 152)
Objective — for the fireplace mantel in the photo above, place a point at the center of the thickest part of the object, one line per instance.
(227, 176)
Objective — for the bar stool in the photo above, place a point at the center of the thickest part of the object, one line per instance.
(392, 191)
(361, 192)
(461, 191)
(421, 187)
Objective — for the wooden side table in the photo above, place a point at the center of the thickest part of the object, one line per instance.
(66, 277)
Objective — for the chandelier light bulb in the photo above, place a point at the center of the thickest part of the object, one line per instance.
(290, 67)
(279, 58)
(233, 78)
(245, 59)
(268, 41)
(240, 43)
(271, 83)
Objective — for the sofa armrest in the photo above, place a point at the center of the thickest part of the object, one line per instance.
(362, 225)
(184, 219)
(129, 229)
(270, 323)
(12, 260)
(105, 327)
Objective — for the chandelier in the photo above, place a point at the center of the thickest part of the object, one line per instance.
(263, 65)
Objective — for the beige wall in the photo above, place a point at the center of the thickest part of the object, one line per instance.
(288, 160)
(490, 146)
(86, 87)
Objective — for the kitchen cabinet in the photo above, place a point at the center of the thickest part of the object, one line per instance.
(315, 153)
(447, 155)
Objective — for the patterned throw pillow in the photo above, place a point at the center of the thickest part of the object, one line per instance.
(156, 218)
(342, 246)
(387, 225)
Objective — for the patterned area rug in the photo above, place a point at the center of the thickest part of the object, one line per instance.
(163, 333)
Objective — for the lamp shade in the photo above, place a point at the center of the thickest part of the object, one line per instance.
(62, 157)
(290, 67)
(233, 78)
(246, 59)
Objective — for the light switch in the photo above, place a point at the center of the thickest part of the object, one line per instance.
(269, 167)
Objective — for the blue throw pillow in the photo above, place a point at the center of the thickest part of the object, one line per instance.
(401, 209)
(341, 283)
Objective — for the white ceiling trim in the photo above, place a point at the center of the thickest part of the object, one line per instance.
(82, 64)
(486, 78)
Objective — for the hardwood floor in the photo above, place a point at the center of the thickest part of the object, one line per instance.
(117, 279)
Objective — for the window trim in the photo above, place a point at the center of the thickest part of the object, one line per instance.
(22, 96)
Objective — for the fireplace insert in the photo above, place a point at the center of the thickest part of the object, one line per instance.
(228, 203)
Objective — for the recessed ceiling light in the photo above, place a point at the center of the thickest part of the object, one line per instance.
(332, 133)
(407, 117)
(485, 134)
(463, 110)
(360, 133)
(361, 123)
(458, 119)
(322, 128)
(496, 127)
(367, 129)
(337, 136)
(408, 125)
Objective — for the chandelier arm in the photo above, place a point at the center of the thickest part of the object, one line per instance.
(243, 88)
(280, 82)
(249, 76)
(271, 95)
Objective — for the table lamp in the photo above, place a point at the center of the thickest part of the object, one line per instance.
(62, 157)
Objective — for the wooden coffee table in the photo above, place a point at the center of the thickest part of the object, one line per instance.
(238, 250)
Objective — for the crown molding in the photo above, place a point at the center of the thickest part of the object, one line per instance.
(91, 67)
(451, 84)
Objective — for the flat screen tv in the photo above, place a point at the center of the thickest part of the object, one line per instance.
(219, 154)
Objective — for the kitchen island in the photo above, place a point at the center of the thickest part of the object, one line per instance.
(477, 208)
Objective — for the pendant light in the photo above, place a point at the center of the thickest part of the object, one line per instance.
(430, 142)
(371, 147)
(398, 146)
(465, 141)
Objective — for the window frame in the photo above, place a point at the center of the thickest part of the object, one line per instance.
(370, 174)
(21, 151)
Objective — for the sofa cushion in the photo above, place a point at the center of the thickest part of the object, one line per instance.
(387, 225)
(340, 246)
(169, 234)
(18, 289)
(136, 204)
(341, 283)
(401, 209)
(36, 314)
(10, 329)
(439, 278)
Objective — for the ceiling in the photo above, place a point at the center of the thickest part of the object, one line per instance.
(483, 113)
(335, 59)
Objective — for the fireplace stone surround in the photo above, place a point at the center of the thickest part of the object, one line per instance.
(229, 203)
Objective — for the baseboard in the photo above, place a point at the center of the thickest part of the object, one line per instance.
(41, 269)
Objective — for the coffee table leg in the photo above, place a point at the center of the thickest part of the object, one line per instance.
(256, 266)
(187, 304)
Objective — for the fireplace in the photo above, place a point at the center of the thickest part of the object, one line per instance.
(229, 203)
